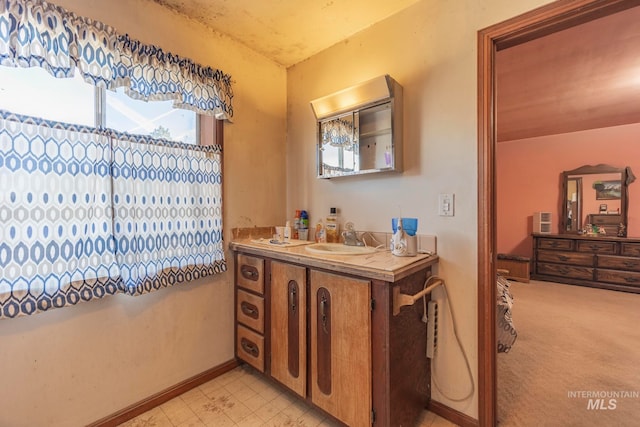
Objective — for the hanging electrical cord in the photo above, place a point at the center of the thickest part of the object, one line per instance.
(455, 333)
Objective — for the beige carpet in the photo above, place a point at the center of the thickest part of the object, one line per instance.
(571, 339)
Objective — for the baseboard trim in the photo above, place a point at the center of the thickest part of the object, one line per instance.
(456, 417)
(158, 399)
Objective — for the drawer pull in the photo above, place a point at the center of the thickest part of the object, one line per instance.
(249, 347)
(249, 310)
(631, 279)
(630, 264)
(563, 258)
(249, 272)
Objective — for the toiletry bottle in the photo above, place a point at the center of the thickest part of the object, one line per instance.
(332, 227)
(287, 231)
(321, 236)
(296, 225)
(303, 231)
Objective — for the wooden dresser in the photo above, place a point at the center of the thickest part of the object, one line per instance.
(599, 262)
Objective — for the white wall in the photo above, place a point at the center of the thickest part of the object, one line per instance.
(431, 50)
(73, 366)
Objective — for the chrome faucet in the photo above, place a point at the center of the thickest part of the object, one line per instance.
(351, 237)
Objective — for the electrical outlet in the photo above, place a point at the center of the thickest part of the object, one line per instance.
(446, 204)
(432, 328)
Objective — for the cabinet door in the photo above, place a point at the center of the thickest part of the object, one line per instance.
(289, 326)
(340, 316)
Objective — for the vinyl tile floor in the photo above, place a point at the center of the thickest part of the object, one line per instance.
(243, 398)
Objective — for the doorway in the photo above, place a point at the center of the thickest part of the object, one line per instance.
(537, 23)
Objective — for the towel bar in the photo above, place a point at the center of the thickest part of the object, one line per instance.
(400, 300)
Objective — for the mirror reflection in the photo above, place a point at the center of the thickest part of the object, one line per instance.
(595, 200)
(357, 142)
(339, 145)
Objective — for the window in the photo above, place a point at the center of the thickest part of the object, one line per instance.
(157, 118)
(33, 92)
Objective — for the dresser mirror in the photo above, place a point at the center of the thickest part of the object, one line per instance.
(596, 195)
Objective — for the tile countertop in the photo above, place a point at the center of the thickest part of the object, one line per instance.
(380, 265)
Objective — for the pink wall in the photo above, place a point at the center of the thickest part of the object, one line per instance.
(528, 174)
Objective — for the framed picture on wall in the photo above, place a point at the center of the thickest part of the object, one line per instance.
(608, 190)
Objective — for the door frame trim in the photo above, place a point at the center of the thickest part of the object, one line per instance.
(539, 22)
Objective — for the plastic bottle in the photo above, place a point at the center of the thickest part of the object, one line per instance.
(332, 227)
(303, 231)
(321, 236)
(296, 225)
(287, 231)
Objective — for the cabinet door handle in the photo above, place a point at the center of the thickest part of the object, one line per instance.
(292, 296)
(323, 312)
(250, 347)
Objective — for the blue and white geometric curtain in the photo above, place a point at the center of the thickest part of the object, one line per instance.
(168, 212)
(38, 33)
(189, 85)
(86, 213)
(35, 33)
(57, 246)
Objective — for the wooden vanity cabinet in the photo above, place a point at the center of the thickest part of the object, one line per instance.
(600, 262)
(340, 341)
(288, 305)
(332, 339)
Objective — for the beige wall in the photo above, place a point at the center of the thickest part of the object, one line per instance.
(431, 50)
(72, 366)
(518, 162)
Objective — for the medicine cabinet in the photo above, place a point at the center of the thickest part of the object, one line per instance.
(360, 129)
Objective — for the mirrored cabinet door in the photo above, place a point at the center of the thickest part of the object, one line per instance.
(360, 129)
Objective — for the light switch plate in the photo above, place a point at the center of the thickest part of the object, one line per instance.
(446, 204)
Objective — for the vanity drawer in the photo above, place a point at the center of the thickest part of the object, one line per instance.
(630, 249)
(555, 244)
(565, 271)
(573, 258)
(250, 310)
(619, 262)
(619, 277)
(250, 273)
(250, 347)
(597, 247)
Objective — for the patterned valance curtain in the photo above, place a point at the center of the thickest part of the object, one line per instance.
(86, 213)
(191, 86)
(38, 33)
(35, 33)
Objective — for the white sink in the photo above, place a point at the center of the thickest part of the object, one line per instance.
(338, 249)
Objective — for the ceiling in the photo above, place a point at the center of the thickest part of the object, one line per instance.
(584, 77)
(288, 31)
